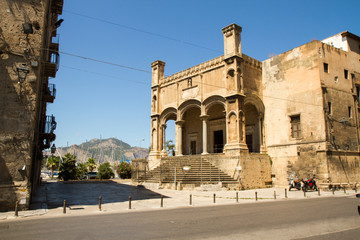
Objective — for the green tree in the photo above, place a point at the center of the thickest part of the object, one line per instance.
(105, 171)
(81, 170)
(170, 147)
(53, 164)
(68, 169)
(124, 170)
(91, 164)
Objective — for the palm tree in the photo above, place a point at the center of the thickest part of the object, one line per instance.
(91, 164)
(53, 163)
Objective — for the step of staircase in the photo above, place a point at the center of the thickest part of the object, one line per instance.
(201, 171)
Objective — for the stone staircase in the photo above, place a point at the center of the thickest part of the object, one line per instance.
(200, 172)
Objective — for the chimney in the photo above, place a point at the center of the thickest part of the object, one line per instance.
(232, 40)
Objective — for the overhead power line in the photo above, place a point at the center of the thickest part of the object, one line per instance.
(142, 31)
(105, 62)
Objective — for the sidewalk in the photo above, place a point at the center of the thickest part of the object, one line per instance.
(83, 198)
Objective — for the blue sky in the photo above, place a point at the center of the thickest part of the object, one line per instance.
(96, 99)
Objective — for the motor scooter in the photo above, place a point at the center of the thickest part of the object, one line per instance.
(296, 184)
(310, 184)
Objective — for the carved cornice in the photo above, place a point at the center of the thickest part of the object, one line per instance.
(203, 67)
(227, 31)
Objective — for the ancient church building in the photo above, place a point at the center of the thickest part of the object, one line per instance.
(293, 115)
(217, 105)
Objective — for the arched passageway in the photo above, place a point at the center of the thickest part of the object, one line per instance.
(192, 132)
(252, 128)
(216, 136)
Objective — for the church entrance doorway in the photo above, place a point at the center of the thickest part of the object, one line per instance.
(218, 141)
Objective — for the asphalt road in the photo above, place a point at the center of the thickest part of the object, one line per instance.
(323, 218)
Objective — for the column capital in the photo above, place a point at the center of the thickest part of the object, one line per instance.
(204, 117)
(180, 122)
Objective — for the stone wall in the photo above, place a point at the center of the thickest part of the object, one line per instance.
(256, 168)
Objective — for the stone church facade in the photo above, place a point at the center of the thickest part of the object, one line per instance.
(270, 117)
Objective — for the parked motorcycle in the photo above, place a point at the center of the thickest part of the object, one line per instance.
(310, 184)
(298, 184)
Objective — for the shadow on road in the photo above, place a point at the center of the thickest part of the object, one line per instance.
(88, 192)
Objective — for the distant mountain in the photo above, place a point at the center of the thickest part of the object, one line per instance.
(104, 150)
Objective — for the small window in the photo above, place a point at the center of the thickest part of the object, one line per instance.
(295, 126)
(189, 82)
(326, 67)
(349, 112)
(358, 94)
(329, 108)
(346, 74)
(336, 79)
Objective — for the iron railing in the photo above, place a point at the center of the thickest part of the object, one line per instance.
(50, 124)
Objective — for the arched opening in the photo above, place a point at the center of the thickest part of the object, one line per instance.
(252, 128)
(216, 128)
(192, 132)
(170, 137)
(167, 120)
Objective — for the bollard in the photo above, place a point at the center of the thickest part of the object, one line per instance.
(190, 199)
(64, 207)
(344, 189)
(319, 191)
(333, 190)
(162, 201)
(355, 188)
(129, 202)
(304, 193)
(274, 195)
(214, 199)
(359, 209)
(256, 196)
(237, 197)
(99, 203)
(16, 208)
(286, 193)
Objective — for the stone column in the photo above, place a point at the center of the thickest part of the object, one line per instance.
(163, 151)
(179, 139)
(204, 127)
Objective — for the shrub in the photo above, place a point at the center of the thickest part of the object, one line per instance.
(81, 170)
(124, 170)
(67, 169)
(105, 171)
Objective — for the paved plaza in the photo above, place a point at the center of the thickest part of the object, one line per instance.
(82, 197)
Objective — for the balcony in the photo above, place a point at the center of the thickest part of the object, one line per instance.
(47, 134)
(52, 66)
(57, 6)
(50, 93)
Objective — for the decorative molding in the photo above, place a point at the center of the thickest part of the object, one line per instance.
(203, 67)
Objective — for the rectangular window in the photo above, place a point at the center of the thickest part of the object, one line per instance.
(329, 108)
(326, 67)
(358, 94)
(346, 74)
(349, 112)
(295, 126)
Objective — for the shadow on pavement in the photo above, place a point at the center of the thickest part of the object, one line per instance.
(88, 192)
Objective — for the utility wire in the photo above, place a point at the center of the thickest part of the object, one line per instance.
(105, 62)
(141, 31)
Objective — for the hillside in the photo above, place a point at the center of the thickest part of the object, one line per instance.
(103, 150)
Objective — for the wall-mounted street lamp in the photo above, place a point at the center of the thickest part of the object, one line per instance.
(22, 72)
(53, 149)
